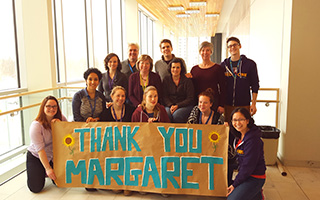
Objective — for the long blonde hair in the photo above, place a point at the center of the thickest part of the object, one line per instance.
(156, 109)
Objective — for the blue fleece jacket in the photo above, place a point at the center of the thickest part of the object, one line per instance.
(250, 156)
(238, 88)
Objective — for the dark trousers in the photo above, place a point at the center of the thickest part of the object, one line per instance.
(36, 173)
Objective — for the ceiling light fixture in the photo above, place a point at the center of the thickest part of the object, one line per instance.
(195, 3)
(182, 15)
(191, 11)
(212, 14)
(175, 7)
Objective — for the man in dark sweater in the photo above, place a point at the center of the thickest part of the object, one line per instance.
(242, 80)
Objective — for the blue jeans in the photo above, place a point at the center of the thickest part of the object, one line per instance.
(180, 115)
(248, 190)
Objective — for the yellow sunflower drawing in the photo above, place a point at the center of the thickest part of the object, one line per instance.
(68, 140)
(214, 137)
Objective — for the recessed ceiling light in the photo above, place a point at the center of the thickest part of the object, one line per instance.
(212, 14)
(182, 15)
(190, 11)
(175, 7)
(194, 3)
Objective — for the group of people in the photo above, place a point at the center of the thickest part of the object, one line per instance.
(130, 91)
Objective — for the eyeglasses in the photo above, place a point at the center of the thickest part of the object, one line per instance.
(238, 120)
(232, 45)
(54, 107)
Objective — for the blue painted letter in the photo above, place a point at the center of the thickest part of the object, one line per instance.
(211, 161)
(134, 172)
(95, 140)
(108, 137)
(118, 138)
(81, 140)
(153, 172)
(130, 138)
(95, 170)
(165, 174)
(198, 149)
(166, 136)
(185, 172)
(114, 173)
(184, 147)
(71, 168)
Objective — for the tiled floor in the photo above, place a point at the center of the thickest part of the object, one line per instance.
(299, 184)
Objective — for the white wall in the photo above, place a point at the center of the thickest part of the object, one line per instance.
(301, 136)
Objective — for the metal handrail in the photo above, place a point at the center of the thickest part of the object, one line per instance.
(36, 91)
(277, 101)
(27, 93)
(26, 107)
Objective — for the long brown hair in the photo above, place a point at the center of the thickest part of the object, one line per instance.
(156, 109)
(42, 118)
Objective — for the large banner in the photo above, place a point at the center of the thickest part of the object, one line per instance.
(150, 157)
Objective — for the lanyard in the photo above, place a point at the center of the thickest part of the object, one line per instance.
(144, 85)
(237, 144)
(131, 68)
(94, 107)
(115, 115)
(111, 81)
(200, 121)
(231, 67)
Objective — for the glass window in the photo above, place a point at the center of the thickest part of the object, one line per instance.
(115, 26)
(8, 65)
(182, 50)
(150, 37)
(189, 49)
(75, 38)
(11, 133)
(99, 31)
(82, 36)
(146, 27)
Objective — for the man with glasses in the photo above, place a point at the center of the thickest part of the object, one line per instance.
(129, 65)
(241, 76)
